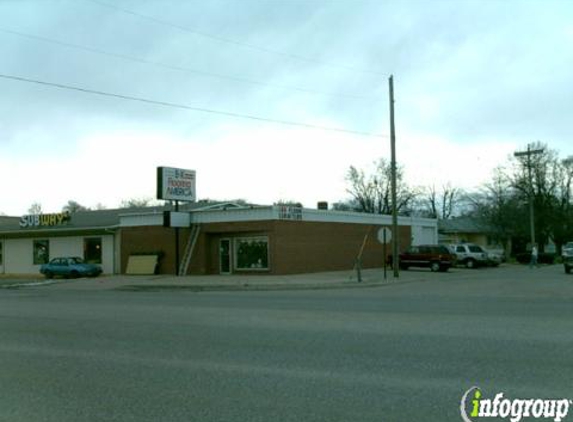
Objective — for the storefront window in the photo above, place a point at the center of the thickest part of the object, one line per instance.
(41, 252)
(252, 253)
(92, 250)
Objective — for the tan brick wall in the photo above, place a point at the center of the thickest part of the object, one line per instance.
(302, 247)
(149, 240)
(294, 246)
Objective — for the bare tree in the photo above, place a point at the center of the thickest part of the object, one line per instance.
(546, 189)
(35, 208)
(288, 202)
(361, 189)
(346, 205)
(561, 221)
(442, 204)
(504, 203)
(372, 192)
(74, 206)
(137, 203)
(499, 207)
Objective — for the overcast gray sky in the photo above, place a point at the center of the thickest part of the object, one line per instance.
(474, 81)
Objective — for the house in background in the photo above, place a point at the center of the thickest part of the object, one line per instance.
(466, 230)
(471, 230)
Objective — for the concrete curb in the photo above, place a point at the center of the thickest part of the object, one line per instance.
(322, 281)
(30, 284)
(259, 287)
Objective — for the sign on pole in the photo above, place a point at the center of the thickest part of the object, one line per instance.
(175, 184)
(384, 235)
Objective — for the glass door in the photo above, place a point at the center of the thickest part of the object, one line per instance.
(225, 256)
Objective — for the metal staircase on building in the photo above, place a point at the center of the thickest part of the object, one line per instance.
(188, 254)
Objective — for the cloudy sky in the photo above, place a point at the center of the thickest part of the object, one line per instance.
(474, 81)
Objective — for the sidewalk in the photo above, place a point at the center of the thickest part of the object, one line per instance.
(326, 280)
(314, 281)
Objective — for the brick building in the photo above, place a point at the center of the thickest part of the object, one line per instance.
(226, 239)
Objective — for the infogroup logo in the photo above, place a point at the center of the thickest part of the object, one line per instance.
(474, 407)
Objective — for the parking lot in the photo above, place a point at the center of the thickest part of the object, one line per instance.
(339, 279)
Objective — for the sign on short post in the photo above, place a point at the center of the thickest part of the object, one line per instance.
(384, 237)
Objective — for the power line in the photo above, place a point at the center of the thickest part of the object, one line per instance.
(235, 42)
(179, 68)
(186, 107)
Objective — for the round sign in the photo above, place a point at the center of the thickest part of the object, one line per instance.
(384, 235)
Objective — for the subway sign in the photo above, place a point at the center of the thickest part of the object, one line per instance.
(45, 220)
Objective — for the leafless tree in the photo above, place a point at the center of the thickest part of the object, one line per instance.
(35, 208)
(441, 204)
(74, 206)
(372, 192)
(136, 203)
(504, 202)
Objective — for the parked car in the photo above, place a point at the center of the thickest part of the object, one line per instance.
(567, 249)
(472, 256)
(70, 267)
(435, 257)
(567, 256)
(497, 254)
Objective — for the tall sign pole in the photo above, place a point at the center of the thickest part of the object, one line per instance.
(395, 257)
(177, 243)
(175, 184)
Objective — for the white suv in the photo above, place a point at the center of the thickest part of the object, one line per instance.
(472, 256)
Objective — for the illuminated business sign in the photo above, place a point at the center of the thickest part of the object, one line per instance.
(175, 184)
(45, 220)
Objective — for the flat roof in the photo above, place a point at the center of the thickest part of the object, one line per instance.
(93, 219)
(277, 212)
(102, 220)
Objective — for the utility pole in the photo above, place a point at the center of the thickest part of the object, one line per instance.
(528, 154)
(395, 257)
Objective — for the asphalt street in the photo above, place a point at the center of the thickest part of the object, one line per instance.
(403, 352)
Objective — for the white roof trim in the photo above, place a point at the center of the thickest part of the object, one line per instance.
(277, 212)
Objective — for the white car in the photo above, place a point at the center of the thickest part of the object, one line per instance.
(567, 255)
(472, 256)
(496, 256)
(567, 249)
